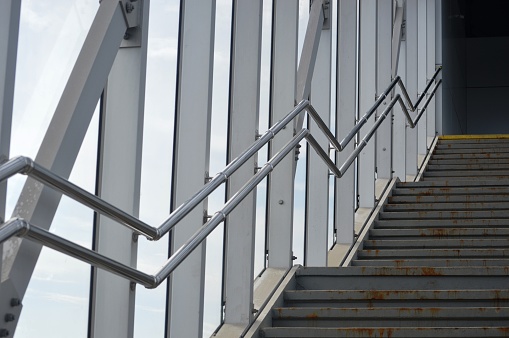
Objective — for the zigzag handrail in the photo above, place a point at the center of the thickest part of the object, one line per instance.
(23, 165)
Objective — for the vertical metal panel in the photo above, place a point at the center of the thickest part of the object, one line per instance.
(438, 61)
(399, 124)
(345, 117)
(422, 73)
(119, 183)
(65, 134)
(243, 122)
(384, 57)
(430, 62)
(411, 82)
(282, 99)
(191, 160)
(367, 93)
(317, 183)
(9, 29)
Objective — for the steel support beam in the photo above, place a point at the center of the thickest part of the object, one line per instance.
(285, 22)
(430, 64)
(411, 82)
(113, 297)
(346, 91)
(64, 137)
(317, 183)
(367, 93)
(191, 160)
(422, 74)
(308, 56)
(384, 59)
(9, 30)
(242, 130)
(399, 68)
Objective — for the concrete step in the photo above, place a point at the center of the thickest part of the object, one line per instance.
(481, 150)
(459, 198)
(439, 223)
(394, 332)
(472, 145)
(436, 243)
(405, 207)
(469, 155)
(400, 263)
(466, 173)
(327, 298)
(460, 253)
(389, 316)
(485, 184)
(471, 161)
(449, 215)
(406, 278)
(397, 233)
(467, 166)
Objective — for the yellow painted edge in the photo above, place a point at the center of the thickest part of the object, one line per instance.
(473, 137)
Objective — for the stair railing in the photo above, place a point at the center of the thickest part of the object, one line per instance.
(23, 165)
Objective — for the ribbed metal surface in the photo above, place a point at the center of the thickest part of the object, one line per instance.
(435, 263)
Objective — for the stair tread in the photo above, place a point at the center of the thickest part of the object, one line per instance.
(390, 331)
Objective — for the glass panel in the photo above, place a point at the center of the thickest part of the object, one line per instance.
(150, 311)
(50, 39)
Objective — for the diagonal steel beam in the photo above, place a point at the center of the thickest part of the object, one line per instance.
(64, 137)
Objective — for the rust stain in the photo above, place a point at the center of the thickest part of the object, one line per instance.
(312, 316)
(364, 332)
(427, 271)
(434, 311)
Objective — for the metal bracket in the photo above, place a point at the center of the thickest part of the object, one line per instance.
(326, 13)
(132, 10)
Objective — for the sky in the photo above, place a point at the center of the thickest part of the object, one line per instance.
(56, 302)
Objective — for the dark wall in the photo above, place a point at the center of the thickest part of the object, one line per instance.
(476, 67)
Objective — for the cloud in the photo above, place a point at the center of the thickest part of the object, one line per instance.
(163, 48)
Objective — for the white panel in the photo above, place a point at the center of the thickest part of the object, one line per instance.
(367, 92)
(9, 28)
(317, 206)
(119, 184)
(430, 62)
(421, 73)
(345, 117)
(438, 61)
(243, 122)
(284, 73)
(411, 82)
(400, 124)
(65, 135)
(384, 57)
(191, 160)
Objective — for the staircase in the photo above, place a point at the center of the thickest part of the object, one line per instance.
(434, 264)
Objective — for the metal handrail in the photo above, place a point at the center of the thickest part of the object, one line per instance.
(23, 165)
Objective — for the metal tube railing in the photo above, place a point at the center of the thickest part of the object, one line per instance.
(23, 165)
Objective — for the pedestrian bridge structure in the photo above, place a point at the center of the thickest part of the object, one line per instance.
(247, 168)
